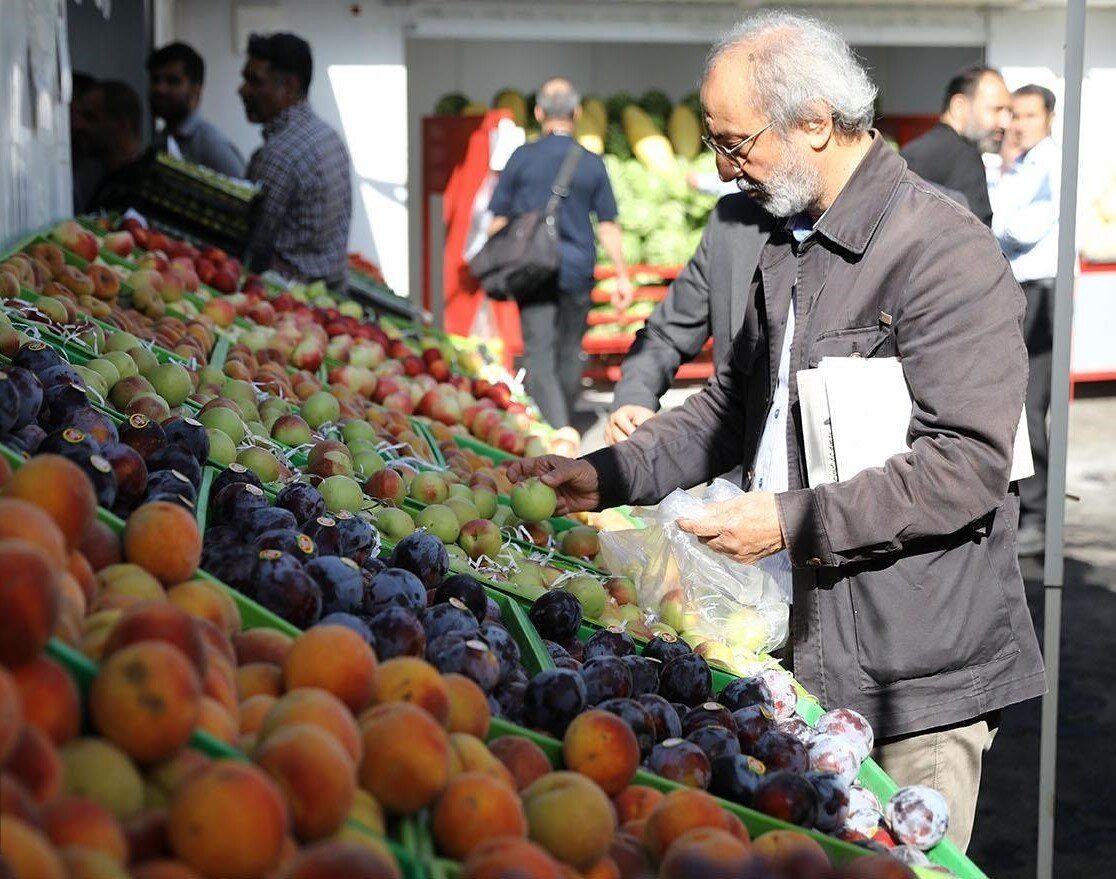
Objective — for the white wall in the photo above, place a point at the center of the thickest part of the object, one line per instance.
(359, 87)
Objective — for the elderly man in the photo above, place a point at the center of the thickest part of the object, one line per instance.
(908, 602)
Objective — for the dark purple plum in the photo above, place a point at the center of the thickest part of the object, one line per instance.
(284, 588)
(663, 716)
(736, 778)
(466, 589)
(70, 442)
(510, 698)
(359, 539)
(172, 497)
(233, 473)
(100, 473)
(257, 521)
(95, 424)
(36, 356)
(170, 482)
(59, 403)
(289, 541)
(665, 647)
(612, 641)
(398, 632)
(833, 800)
(59, 374)
(637, 717)
(787, 796)
(708, 714)
(556, 615)
(424, 555)
(226, 534)
(339, 581)
(555, 650)
(234, 564)
(26, 439)
(30, 395)
(130, 470)
(553, 698)
(372, 565)
(575, 648)
(752, 721)
(176, 458)
(503, 645)
(232, 504)
(715, 740)
(456, 654)
(492, 610)
(606, 677)
(742, 692)
(686, 679)
(302, 499)
(681, 761)
(187, 434)
(349, 621)
(453, 616)
(395, 586)
(777, 750)
(326, 535)
(9, 403)
(567, 662)
(146, 437)
(644, 672)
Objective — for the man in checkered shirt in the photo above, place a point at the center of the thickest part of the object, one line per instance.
(302, 167)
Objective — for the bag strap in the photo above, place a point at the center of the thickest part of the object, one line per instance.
(561, 186)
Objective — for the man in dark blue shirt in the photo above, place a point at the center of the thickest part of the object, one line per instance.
(553, 319)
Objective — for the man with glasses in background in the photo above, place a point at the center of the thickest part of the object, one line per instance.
(908, 602)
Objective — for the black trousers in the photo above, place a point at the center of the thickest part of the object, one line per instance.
(1038, 333)
(553, 322)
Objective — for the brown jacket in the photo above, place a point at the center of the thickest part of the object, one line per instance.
(908, 601)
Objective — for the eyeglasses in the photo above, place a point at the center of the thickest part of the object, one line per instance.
(732, 153)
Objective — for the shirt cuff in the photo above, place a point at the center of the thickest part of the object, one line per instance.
(803, 529)
(611, 485)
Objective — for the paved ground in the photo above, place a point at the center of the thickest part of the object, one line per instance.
(1007, 821)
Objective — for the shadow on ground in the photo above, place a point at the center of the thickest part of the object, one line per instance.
(1004, 838)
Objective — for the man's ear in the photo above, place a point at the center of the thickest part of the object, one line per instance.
(539, 115)
(959, 106)
(819, 131)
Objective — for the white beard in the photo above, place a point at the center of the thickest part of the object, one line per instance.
(792, 188)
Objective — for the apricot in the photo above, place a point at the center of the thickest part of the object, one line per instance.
(16, 800)
(510, 858)
(876, 866)
(72, 597)
(601, 746)
(27, 852)
(146, 698)
(778, 844)
(678, 812)
(165, 777)
(49, 698)
(406, 759)
(214, 719)
(605, 868)
(337, 660)
(146, 834)
(219, 683)
(475, 807)
(366, 812)
(101, 771)
(216, 642)
(524, 759)
(29, 602)
(11, 714)
(77, 565)
(100, 546)
(208, 601)
(163, 538)
(228, 821)
(629, 856)
(78, 821)
(561, 801)
(315, 774)
(84, 863)
(163, 868)
(635, 802)
(311, 705)
(36, 765)
(333, 859)
(124, 585)
(95, 631)
(413, 680)
(704, 851)
(259, 678)
(23, 520)
(61, 488)
(252, 712)
(262, 645)
(469, 754)
(469, 711)
(158, 621)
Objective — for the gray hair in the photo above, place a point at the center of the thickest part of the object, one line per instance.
(557, 99)
(800, 69)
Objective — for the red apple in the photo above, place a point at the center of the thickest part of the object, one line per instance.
(220, 311)
(121, 243)
(262, 313)
(224, 279)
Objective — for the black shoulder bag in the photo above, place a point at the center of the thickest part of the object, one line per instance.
(523, 256)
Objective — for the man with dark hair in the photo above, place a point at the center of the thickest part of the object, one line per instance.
(1024, 198)
(976, 111)
(175, 75)
(115, 123)
(302, 167)
(553, 318)
(86, 168)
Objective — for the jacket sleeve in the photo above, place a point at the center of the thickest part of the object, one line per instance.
(673, 335)
(958, 329)
(677, 449)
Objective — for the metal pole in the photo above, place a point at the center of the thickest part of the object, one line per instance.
(1054, 565)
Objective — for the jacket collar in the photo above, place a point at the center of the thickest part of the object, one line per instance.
(285, 117)
(854, 215)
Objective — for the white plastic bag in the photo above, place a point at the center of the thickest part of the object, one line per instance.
(735, 610)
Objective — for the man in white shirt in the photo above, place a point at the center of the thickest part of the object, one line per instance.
(1024, 200)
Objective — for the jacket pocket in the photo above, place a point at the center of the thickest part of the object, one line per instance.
(930, 613)
(873, 341)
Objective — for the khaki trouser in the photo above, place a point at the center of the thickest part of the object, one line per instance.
(948, 760)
